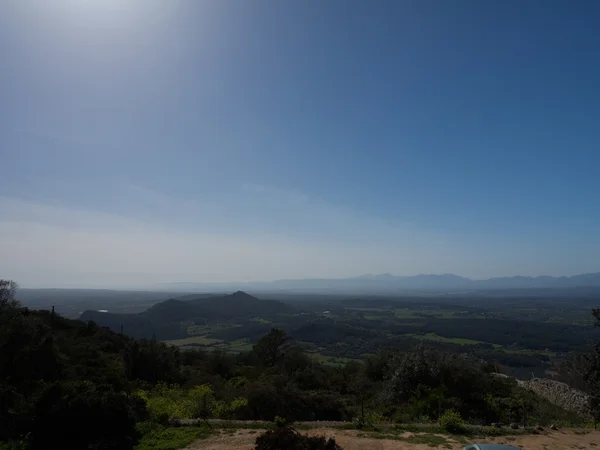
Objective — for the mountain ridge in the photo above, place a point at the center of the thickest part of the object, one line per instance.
(387, 282)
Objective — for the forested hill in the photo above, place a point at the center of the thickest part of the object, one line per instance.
(170, 319)
(65, 384)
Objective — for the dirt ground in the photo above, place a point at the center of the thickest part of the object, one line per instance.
(352, 440)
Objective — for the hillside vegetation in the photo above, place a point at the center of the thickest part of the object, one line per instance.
(71, 385)
(520, 335)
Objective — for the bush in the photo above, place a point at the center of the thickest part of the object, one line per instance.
(370, 420)
(168, 404)
(289, 439)
(280, 422)
(14, 445)
(77, 415)
(452, 422)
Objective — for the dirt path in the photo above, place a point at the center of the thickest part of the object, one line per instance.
(353, 440)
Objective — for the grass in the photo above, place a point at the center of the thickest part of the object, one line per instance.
(238, 346)
(423, 313)
(158, 437)
(244, 425)
(259, 320)
(372, 317)
(437, 338)
(515, 351)
(333, 361)
(198, 340)
(405, 313)
(202, 330)
(381, 310)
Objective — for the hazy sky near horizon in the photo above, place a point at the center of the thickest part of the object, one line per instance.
(147, 141)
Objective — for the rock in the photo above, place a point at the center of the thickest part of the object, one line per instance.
(559, 393)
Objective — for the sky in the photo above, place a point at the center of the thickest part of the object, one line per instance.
(147, 141)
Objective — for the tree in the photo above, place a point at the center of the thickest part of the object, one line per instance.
(362, 387)
(8, 291)
(267, 349)
(589, 367)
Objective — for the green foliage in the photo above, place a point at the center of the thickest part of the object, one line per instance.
(280, 422)
(8, 290)
(267, 349)
(374, 418)
(289, 439)
(452, 421)
(168, 403)
(63, 383)
(15, 445)
(72, 385)
(80, 414)
(370, 420)
(224, 410)
(159, 437)
(151, 361)
(588, 366)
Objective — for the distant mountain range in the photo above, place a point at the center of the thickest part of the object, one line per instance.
(392, 283)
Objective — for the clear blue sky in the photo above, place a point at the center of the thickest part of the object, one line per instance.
(150, 141)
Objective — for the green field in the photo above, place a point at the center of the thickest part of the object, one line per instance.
(201, 330)
(259, 320)
(236, 346)
(194, 340)
(514, 351)
(334, 361)
(239, 348)
(436, 338)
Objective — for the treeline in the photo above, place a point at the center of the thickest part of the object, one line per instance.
(354, 337)
(72, 385)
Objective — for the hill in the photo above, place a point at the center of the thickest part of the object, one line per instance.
(240, 304)
(170, 319)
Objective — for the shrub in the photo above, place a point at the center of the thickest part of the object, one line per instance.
(171, 403)
(280, 422)
(374, 418)
(289, 439)
(452, 422)
(77, 415)
(370, 420)
(14, 445)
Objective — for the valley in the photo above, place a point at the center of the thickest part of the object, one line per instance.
(521, 334)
